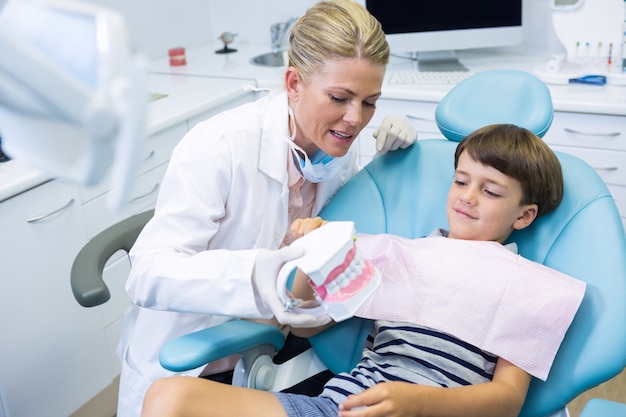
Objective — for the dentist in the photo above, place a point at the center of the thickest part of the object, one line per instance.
(238, 180)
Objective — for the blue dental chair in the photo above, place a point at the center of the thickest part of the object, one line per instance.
(405, 194)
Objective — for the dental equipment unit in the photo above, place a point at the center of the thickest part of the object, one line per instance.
(72, 101)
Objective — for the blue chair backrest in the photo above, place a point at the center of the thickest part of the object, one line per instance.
(404, 193)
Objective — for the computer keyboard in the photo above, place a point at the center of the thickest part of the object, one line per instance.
(407, 77)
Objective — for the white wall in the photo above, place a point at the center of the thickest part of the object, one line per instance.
(157, 25)
(539, 33)
(251, 20)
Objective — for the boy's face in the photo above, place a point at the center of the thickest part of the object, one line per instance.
(484, 204)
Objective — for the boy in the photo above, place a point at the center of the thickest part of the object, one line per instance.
(505, 177)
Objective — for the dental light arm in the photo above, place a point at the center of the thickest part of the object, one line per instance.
(72, 94)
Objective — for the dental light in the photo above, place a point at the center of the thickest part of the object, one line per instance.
(72, 93)
(341, 279)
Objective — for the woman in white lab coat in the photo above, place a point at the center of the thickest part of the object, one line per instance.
(236, 182)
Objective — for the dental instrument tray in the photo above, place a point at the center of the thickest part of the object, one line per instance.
(339, 276)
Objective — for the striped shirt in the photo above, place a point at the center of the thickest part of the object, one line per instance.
(410, 353)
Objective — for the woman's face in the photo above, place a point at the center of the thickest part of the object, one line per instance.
(334, 105)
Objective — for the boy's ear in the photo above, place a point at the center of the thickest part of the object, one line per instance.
(529, 214)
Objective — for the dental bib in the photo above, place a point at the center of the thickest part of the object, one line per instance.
(479, 292)
(339, 275)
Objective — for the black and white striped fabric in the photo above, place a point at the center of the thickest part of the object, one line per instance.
(405, 352)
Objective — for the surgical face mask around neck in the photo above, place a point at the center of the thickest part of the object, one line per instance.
(321, 166)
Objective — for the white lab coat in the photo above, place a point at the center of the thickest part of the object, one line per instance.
(224, 196)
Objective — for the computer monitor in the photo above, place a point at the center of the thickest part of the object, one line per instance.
(431, 31)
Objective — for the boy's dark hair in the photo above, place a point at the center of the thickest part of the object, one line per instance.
(522, 155)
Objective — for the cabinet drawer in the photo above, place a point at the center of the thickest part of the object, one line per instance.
(158, 147)
(420, 114)
(44, 329)
(113, 333)
(114, 275)
(98, 216)
(156, 150)
(611, 165)
(588, 131)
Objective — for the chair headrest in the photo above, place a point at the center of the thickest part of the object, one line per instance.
(495, 96)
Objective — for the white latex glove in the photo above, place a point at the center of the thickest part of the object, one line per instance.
(394, 132)
(266, 268)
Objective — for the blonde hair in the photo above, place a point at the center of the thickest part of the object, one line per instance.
(335, 29)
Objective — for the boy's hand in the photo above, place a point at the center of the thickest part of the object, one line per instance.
(301, 227)
(504, 395)
(388, 399)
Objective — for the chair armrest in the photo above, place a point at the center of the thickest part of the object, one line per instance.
(86, 276)
(196, 349)
(340, 347)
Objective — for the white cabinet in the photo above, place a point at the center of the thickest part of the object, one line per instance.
(50, 351)
(600, 140)
(55, 356)
(156, 152)
(421, 114)
(97, 216)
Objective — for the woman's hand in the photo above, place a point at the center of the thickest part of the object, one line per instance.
(394, 132)
(301, 227)
(301, 288)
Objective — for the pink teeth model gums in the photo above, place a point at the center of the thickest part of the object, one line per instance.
(341, 279)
